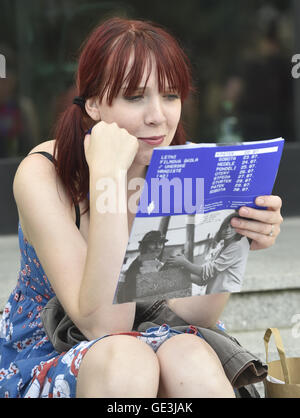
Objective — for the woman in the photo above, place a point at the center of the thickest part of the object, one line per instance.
(132, 80)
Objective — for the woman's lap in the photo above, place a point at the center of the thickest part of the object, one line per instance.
(57, 377)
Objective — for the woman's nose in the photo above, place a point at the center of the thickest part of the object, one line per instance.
(155, 114)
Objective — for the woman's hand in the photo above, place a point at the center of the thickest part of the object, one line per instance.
(109, 148)
(262, 226)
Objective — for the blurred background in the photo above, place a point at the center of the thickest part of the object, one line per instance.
(240, 51)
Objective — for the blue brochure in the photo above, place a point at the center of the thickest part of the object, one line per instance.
(182, 243)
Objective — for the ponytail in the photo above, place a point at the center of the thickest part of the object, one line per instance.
(70, 162)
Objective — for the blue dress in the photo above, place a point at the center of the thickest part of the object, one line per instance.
(29, 364)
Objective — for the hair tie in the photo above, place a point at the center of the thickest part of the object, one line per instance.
(80, 101)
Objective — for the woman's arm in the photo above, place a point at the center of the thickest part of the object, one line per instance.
(203, 311)
(83, 275)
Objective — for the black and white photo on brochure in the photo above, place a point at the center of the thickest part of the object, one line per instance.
(182, 255)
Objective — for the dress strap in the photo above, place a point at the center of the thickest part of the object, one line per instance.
(50, 157)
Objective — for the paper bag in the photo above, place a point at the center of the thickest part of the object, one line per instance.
(285, 372)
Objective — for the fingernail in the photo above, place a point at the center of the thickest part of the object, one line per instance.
(260, 201)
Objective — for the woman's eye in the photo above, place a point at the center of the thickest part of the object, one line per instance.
(133, 98)
(172, 96)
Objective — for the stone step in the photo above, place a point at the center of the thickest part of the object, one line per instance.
(264, 309)
(271, 290)
(253, 341)
(277, 267)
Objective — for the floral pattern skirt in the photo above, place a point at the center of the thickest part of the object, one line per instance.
(57, 377)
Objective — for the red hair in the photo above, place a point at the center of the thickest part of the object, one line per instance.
(102, 69)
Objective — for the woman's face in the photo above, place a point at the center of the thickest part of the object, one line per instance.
(228, 232)
(150, 115)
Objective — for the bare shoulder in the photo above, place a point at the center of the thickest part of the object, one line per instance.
(33, 162)
(34, 169)
(36, 185)
(47, 146)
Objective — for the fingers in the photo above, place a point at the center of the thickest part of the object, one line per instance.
(258, 241)
(268, 229)
(259, 222)
(261, 233)
(261, 226)
(271, 215)
(270, 202)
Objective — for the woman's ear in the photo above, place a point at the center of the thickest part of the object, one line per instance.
(92, 107)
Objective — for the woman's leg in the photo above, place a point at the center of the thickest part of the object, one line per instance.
(118, 366)
(189, 367)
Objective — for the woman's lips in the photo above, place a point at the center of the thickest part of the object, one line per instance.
(153, 140)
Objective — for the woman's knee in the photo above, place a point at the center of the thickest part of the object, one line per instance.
(190, 367)
(188, 348)
(120, 366)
